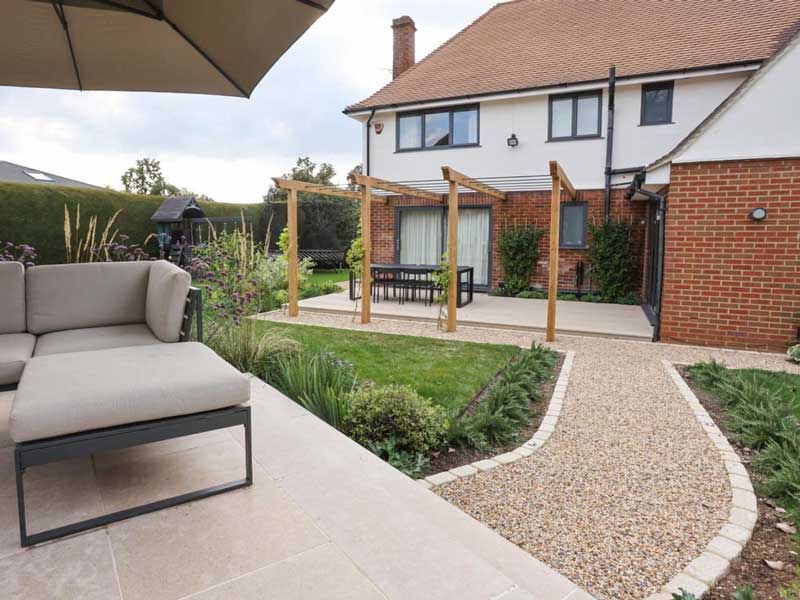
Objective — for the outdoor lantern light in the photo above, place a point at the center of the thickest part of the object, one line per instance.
(758, 214)
(513, 141)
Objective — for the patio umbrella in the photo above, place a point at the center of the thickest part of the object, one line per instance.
(219, 47)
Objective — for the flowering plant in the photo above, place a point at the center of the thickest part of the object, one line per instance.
(10, 252)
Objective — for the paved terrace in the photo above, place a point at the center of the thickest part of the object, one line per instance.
(576, 318)
(324, 519)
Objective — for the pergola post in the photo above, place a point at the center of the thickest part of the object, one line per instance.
(366, 261)
(291, 211)
(293, 188)
(455, 180)
(559, 179)
(452, 255)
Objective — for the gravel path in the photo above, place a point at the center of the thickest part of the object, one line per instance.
(629, 489)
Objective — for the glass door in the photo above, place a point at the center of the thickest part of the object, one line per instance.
(420, 239)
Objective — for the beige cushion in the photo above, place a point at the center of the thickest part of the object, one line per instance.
(15, 350)
(94, 338)
(85, 295)
(12, 297)
(167, 289)
(6, 398)
(80, 391)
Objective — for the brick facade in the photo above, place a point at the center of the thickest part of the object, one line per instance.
(729, 281)
(523, 208)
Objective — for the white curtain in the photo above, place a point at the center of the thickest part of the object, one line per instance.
(420, 237)
(473, 242)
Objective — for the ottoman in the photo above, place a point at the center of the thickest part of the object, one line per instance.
(75, 404)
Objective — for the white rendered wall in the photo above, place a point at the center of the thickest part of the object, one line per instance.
(762, 123)
(583, 160)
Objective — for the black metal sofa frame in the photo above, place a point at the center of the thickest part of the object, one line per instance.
(51, 450)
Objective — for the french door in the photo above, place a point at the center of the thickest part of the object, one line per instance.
(422, 238)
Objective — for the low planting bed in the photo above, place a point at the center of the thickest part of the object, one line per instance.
(423, 405)
(759, 412)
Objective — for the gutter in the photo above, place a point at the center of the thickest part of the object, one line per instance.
(369, 127)
(722, 68)
(612, 82)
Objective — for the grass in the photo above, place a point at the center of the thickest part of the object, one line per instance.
(320, 276)
(449, 373)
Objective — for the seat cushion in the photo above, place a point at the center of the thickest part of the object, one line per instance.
(15, 350)
(94, 338)
(61, 297)
(167, 289)
(80, 391)
(12, 297)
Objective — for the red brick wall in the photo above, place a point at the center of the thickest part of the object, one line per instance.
(523, 208)
(727, 280)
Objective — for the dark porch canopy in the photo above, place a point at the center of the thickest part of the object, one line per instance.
(176, 209)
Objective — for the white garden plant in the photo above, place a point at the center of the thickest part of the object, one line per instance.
(794, 353)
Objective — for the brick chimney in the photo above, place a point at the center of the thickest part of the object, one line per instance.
(404, 51)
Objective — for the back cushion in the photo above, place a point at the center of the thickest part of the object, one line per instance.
(12, 297)
(86, 295)
(167, 290)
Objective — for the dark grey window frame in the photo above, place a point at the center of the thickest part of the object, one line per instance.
(443, 109)
(575, 97)
(657, 85)
(584, 244)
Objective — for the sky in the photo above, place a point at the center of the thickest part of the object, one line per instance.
(228, 148)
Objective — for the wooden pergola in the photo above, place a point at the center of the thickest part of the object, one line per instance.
(456, 180)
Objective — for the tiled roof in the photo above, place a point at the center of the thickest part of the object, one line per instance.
(528, 44)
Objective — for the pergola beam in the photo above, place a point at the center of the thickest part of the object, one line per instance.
(560, 180)
(313, 188)
(454, 176)
(376, 183)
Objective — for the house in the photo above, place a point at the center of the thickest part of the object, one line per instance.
(590, 85)
(13, 173)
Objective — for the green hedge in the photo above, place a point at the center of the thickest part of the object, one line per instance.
(34, 214)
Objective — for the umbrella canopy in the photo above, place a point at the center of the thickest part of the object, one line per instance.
(219, 47)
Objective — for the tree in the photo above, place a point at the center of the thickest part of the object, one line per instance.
(146, 178)
(304, 170)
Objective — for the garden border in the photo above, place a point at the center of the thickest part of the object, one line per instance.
(546, 429)
(704, 571)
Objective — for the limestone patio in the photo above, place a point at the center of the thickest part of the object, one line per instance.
(572, 318)
(324, 519)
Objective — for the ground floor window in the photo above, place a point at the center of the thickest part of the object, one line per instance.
(421, 238)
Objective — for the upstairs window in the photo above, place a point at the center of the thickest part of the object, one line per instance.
(438, 128)
(572, 231)
(657, 103)
(575, 116)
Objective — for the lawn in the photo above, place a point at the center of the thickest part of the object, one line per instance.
(318, 277)
(449, 373)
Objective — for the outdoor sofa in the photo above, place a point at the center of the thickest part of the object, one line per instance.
(92, 354)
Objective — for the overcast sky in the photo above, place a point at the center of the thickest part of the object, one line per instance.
(228, 148)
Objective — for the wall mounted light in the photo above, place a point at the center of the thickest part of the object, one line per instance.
(513, 141)
(758, 214)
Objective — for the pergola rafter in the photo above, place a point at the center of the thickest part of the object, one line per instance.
(393, 187)
(454, 176)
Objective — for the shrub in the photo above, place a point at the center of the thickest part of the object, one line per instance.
(499, 292)
(319, 382)
(399, 413)
(794, 353)
(413, 465)
(532, 295)
(519, 253)
(499, 417)
(709, 375)
(252, 350)
(610, 252)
